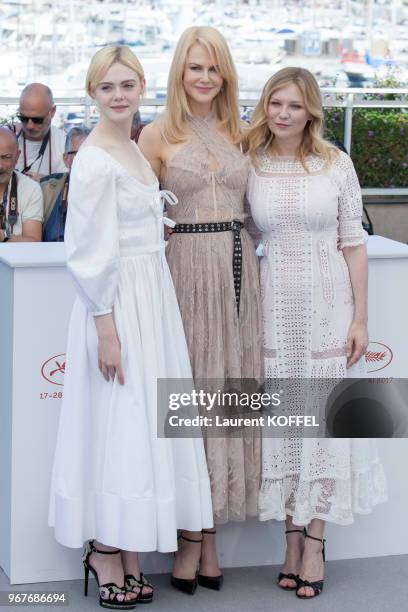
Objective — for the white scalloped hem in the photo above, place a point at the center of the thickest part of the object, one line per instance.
(281, 497)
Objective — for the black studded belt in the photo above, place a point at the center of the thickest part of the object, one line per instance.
(221, 226)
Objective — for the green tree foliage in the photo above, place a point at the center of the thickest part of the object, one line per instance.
(379, 145)
(379, 139)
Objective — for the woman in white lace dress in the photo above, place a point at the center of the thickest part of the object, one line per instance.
(306, 201)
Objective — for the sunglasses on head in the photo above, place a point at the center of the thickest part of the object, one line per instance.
(36, 120)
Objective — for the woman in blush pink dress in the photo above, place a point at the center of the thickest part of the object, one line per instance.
(195, 151)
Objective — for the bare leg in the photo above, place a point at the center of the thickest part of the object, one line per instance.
(109, 568)
(312, 561)
(209, 561)
(188, 555)
(294, 551)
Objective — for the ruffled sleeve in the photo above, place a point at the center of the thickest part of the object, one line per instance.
(351, 232)
(91, 233)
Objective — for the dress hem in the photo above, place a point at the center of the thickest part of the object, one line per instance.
(268, 516)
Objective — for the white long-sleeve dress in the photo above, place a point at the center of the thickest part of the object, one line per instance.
(308, 308)
(114, 479)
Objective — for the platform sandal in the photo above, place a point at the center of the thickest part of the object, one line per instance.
(210, 582)
(290, 576)
(187, 585)
(317, 585)
(131, 582)
(110, 594)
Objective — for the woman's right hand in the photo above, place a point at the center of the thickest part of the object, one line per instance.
(109, 353)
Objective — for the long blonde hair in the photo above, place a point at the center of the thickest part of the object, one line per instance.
(105, 58)
(173, 122)
(259, 137)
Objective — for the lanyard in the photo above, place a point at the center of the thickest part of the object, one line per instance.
(45, 142)
(63, 207)
(9, 214)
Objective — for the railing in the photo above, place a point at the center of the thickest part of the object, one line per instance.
(346, 98)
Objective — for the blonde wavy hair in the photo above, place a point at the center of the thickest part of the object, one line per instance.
(105, 58)
(173, 123)
(259, 137)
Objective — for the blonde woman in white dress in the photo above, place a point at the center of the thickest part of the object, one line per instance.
(306, 201)
(115, 483)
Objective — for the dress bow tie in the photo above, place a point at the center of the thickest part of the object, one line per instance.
(168, 197)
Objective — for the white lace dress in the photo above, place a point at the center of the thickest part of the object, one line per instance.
(114, 479)
(307, 311)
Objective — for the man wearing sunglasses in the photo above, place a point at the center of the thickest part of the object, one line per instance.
(41, 144)
(55, 188)
(21, 201)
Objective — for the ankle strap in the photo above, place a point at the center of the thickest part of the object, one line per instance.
(103, 552)
(322, 540)
(208, 531)
(297, 531)
(182, 537)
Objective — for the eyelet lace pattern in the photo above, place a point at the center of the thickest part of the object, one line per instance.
(306, 217)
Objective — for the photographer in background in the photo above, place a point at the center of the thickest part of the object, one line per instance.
(21, 201)
(55, 188)
(41, 144)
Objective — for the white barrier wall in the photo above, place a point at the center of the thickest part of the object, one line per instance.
(35, 303)
(39, 304)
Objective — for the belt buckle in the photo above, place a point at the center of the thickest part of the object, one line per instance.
(236, 225)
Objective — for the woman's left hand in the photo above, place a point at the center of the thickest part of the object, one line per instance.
(167, 232)
(357, 342)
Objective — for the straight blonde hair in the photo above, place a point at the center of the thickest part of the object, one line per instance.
(259, 137)
(105, 58)
(173, 122)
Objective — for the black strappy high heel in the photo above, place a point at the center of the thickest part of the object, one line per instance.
(187, 585)
(317, 585)
(131, 582)
(210, 582)
(109, 592)
(294, 577)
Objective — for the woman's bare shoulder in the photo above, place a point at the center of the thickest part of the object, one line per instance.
(152, 135)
